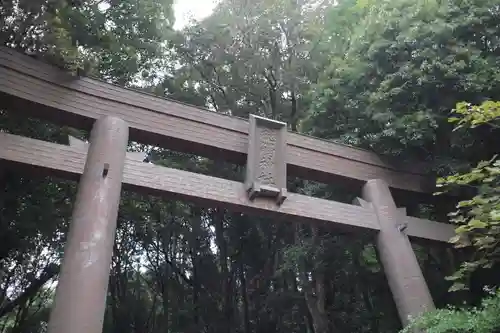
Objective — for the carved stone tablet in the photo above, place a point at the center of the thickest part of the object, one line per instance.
(266, 166)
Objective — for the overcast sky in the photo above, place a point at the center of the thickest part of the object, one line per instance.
(187, 9)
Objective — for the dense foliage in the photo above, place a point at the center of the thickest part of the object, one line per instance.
(477, 228)
(383, 75)
(481, 319)
(478, 219)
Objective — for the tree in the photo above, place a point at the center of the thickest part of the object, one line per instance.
(119, 40)
(406, 64)
(253, 57)
(181, 268)
(114, 40)
(479, 217)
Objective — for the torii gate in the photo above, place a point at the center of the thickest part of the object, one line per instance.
(37, 89)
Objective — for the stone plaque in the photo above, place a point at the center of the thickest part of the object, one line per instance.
(266, 166)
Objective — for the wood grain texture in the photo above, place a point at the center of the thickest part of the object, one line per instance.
(40, 90)
(429, 230)
(417, 228)
(68, 161)
(406, 280)
(89, 246)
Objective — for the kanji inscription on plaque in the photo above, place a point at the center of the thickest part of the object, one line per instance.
(266, 166)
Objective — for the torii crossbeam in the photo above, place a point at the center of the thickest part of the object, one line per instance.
(270, 152)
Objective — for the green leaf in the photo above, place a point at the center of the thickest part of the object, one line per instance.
(458, 286)
(495, 215)
(477, 224)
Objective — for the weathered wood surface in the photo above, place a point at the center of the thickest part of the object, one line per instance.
(68, 161)
(30, 86)
(80, 299)
(406, 281)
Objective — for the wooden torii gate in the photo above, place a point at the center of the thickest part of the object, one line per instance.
(117, 115)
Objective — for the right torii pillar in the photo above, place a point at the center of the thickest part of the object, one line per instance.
(406, 281)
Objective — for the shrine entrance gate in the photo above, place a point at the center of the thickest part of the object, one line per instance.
(118, 115)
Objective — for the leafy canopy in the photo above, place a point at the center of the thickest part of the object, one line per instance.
(477, 219)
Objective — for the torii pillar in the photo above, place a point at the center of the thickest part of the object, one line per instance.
(406, 281)
(2, 185)
(80, 300)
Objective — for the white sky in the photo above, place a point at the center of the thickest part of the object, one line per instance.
(186, 10)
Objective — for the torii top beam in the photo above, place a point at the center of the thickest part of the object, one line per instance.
(31, 86)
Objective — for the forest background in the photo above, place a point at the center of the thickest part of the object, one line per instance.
(382, 75)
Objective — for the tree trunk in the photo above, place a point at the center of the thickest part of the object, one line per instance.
(49, 272)
(314, 292)
(316, 305)
(195, 248)
(165, 300)
(225, 276)
(293, 114)
(244, 296)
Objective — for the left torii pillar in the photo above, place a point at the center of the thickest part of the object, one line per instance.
(3, 190)
(80, 299)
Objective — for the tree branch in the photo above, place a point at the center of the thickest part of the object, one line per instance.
(48, 273)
